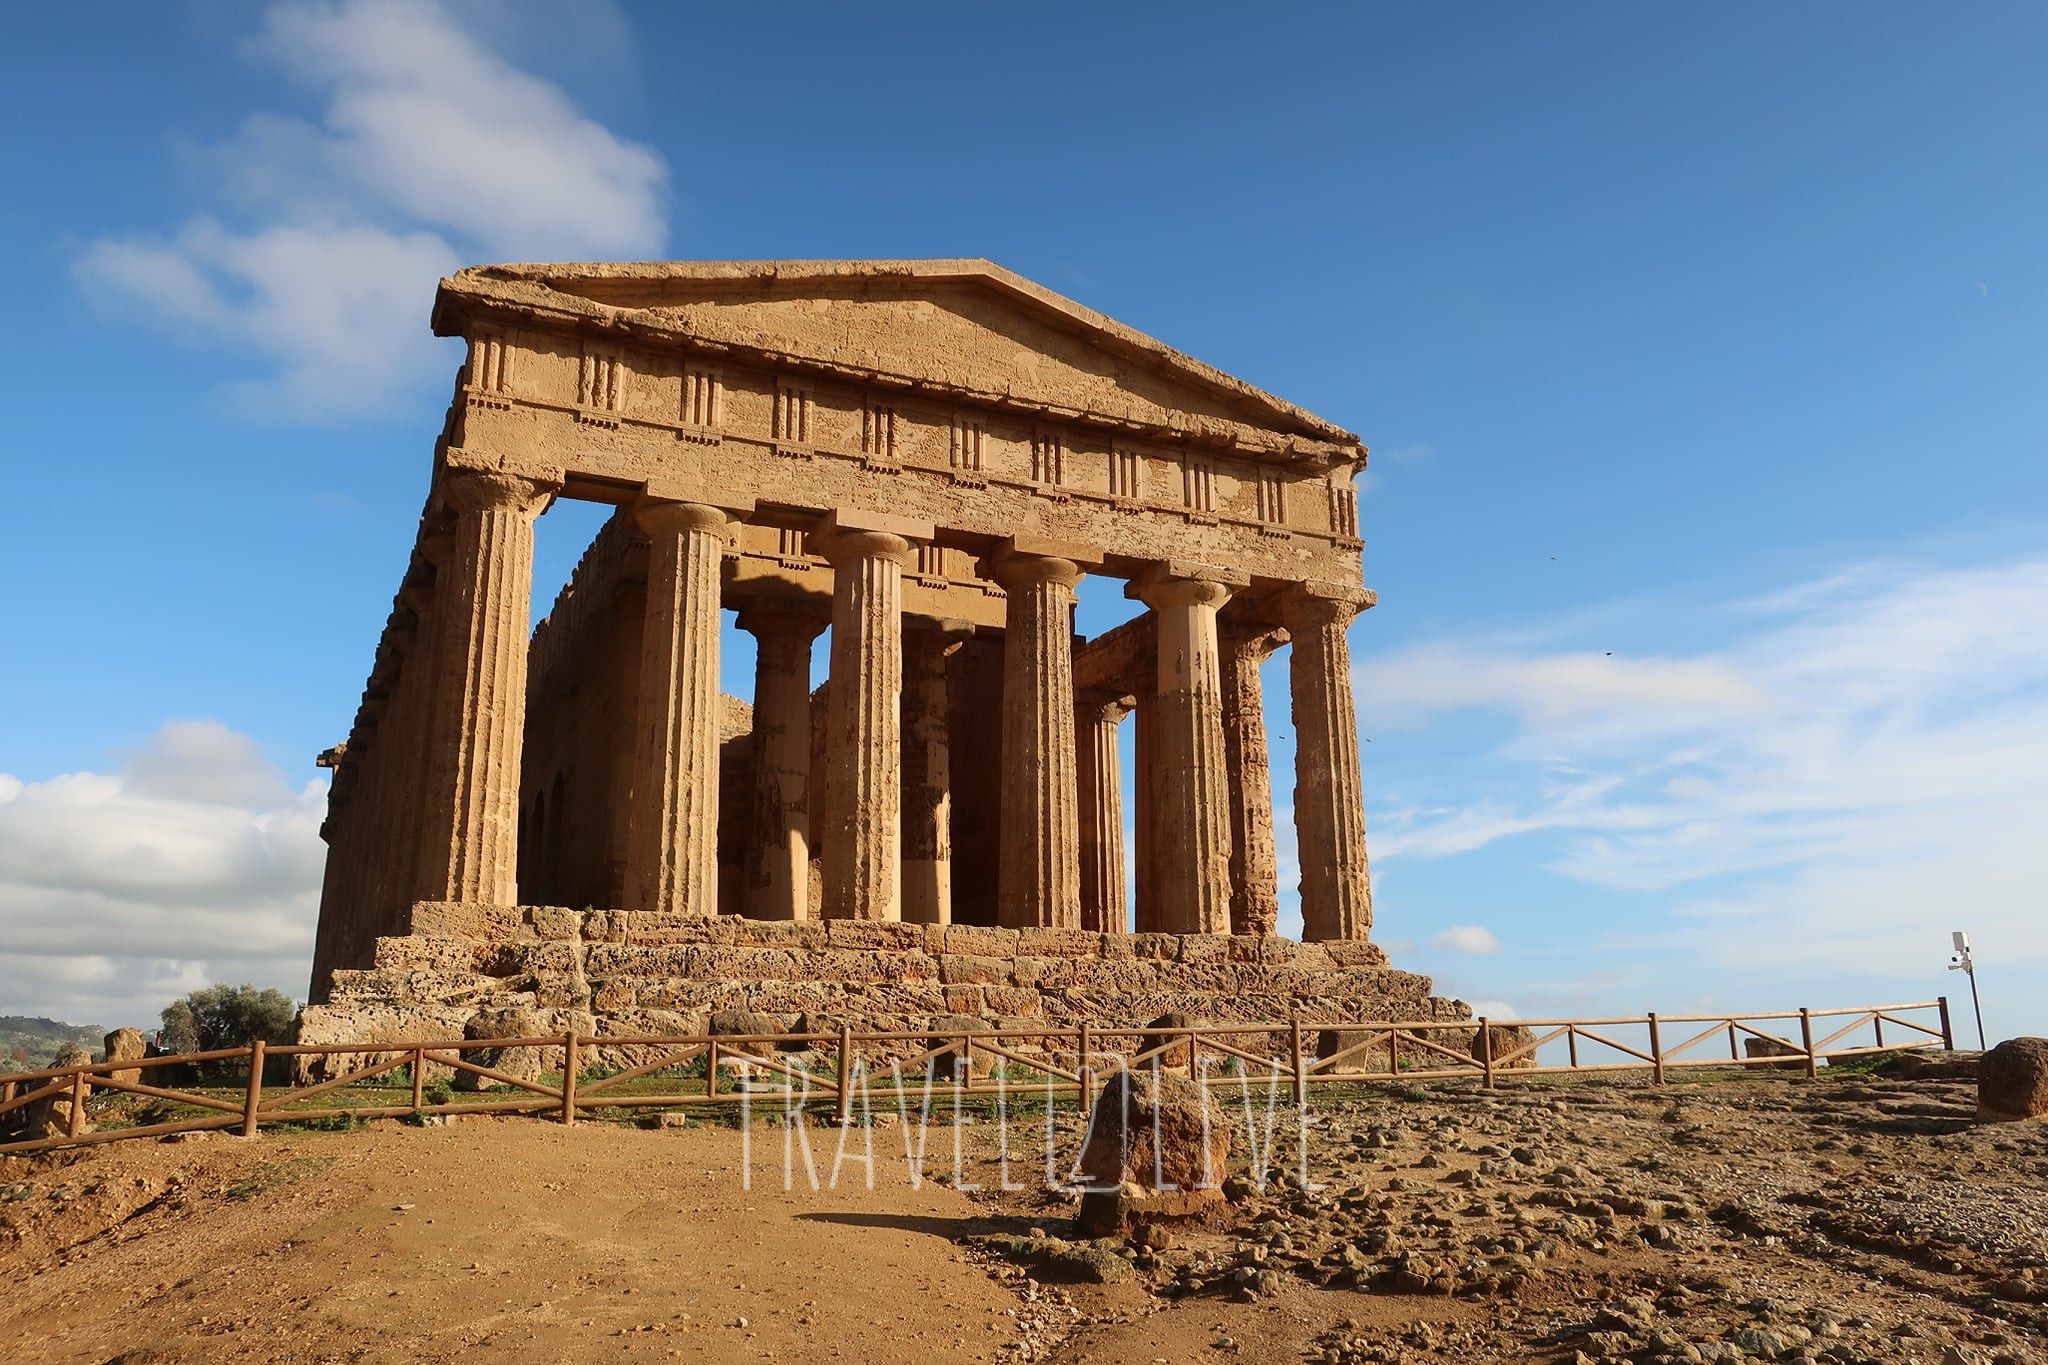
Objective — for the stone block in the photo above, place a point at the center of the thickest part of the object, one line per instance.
(1155, 947)
(1058, 943)
(981, 940)
(555, 923)
(858, 933)
(961, 969)
(125, 1045)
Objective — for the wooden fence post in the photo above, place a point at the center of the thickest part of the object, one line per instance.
(1485, 1053)
(569, 1077)
(1194, 1047)
(1806, 1036)
(1085, 1070)
(710, 1068)
(1948, 1037)
(253, 1099)
(843, 1111)
(1734, 1051)
(1656, 1049)
(1300, 1074)
(1877, 1025)
(1571, 1046)
(419, 1079)
(76, 1127)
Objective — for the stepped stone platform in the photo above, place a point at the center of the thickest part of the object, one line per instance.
(618, 973)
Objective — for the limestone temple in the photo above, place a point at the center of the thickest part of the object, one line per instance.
(923, 457)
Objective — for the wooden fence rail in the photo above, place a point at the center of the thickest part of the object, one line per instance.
(1035, 1062)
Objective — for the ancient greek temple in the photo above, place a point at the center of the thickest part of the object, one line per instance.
(922, 458)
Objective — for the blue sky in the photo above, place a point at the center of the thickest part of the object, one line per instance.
(1700, 350)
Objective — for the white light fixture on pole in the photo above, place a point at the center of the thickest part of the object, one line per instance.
(1961, 961)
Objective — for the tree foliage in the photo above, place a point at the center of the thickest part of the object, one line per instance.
(226, 1016)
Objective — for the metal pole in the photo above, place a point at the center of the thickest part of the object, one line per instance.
(1976, 1004)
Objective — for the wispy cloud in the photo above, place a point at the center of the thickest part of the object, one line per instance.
(321, 253)
(1864, 755)
(1467, 938)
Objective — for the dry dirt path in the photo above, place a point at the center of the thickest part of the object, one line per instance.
(513, 1240)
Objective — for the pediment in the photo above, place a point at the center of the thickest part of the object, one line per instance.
(970, 327)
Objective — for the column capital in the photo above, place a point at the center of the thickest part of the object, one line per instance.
(1103, 705)
(481, 490)
(1255, 638)
(1159, 592)
(659, 516)
(764, 619)
(1013, 569)
(1318, 603)
(845, 535)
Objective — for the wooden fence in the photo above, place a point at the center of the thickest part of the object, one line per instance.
(836, 1068)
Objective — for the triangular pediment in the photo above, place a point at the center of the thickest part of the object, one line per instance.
(967, 326)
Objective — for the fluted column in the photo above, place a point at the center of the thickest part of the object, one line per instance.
(928, 772)
(1254, 871)
(672, 844)
(1104, 905)
(863, 710)
(779, 852)
(1145, 812)
(470, 824)
(1329, 806)
(1192, 857)
(1039, 881)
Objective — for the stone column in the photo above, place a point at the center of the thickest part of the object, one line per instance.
(1329, 808)
(1254, 872)
(1145, 811)
(672, 843)
(863, 746)
(1104, 905)
(928, 772)
(470, 816)
(779, 851)
(1040, 879)
(1192, 853)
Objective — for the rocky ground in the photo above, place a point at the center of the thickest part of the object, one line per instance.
(1720, 1218)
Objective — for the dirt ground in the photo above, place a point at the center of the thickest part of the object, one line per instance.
(1842, 1220)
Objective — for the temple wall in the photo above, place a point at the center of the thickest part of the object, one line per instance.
(634, 972)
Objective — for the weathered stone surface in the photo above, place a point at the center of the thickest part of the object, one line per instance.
(980, 443)
(741, 1023)
(784, 969)
(2012, 1081)
(1755, 1048)
(125, 1045)
(1505, 1039)
(1157, 1148)
(524, 1063)
(948, 1028)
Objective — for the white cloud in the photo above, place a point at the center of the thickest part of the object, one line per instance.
(430, 150)
(1467, 938)
(195, 862)
(1863, 761)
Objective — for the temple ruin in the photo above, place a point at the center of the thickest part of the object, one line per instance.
(925, 458)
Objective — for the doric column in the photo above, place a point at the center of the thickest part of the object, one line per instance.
(1145, 811)
(1039, 882)
(928, 772)
(779, 851)
(1192, 854)
(1254, 872)
(863, 755)
(672, 844)
(1104, 907)
(470, 820)
(1329, 808)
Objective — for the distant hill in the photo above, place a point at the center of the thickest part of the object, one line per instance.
(41, 1038)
